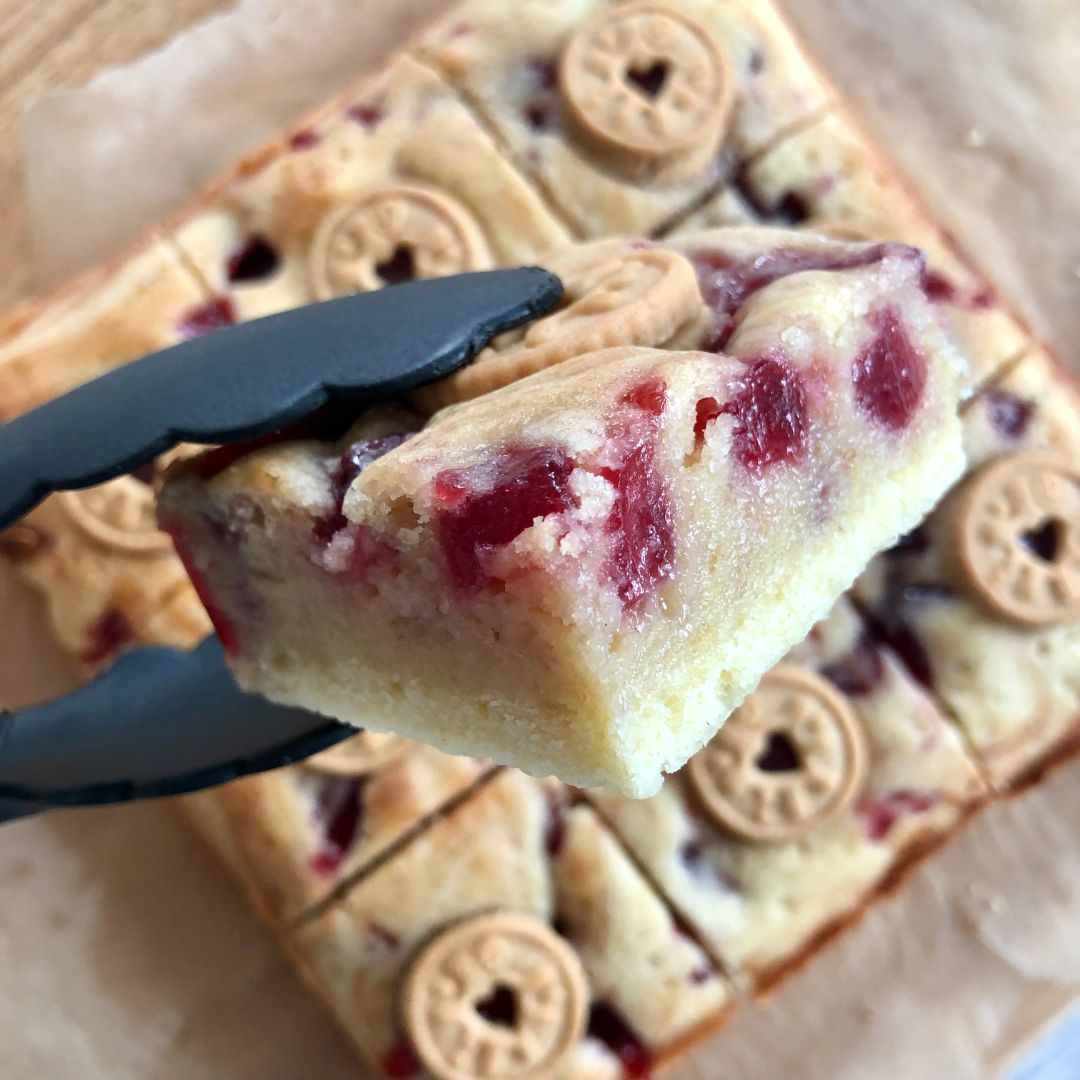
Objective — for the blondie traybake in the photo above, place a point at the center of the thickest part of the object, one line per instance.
(507, 130)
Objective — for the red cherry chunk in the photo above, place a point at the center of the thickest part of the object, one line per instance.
(212, 315)
(338, 815)
(642, 519)
(770, 411)
(107, 637)
(859, 671)
(881, 815)
(400, 1063)
(304, 139)
(351, 464)
(708, 409)
(726, 283)
(555, 829)
(1008, 414)
(609, 1027)
(941, 290)
(223, 625)
(487, 506)
(367, 114)
(890, 373)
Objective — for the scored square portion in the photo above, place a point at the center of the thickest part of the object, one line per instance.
(584, 572)
(109, 577)
(625, 114)
(293, 835)
(114, 313)
(513, 937)
(832, 775)
(392, 181)
(829, 177)
(983, 599)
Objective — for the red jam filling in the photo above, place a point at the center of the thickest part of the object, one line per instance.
(790, 209)
(1008, 414)
(107, 636)
(642, 521)
(487, 506)
(368, 114)
(539, 107)
(770, 411)
(650, 80)
(224, 627)
(693, 853)
(212, 315)
(255, 260)
(400, 1063)
(941, 290)
(1044, 542)
(338, 814)
(859, 671)
(726, 283)
(350, 465)
(890, 373)
(555, 827)
(609, 1027)
(304, 139)
(779, 755)
(881, 815)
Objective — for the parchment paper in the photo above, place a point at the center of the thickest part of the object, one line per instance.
(125, 951)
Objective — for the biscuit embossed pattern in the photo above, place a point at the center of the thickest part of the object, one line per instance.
(791, 757)
(497, 995)
(118, 515)
(394, 234)
(650, 85)
(1018, 538)
(641, 297)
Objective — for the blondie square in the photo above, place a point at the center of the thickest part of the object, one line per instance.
(626, 113)
(983, 599)
(392, 181)
(512, 938)
(828, 780)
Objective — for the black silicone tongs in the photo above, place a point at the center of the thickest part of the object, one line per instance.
(162, 721)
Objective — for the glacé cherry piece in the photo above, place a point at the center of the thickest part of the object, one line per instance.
(890, 373)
